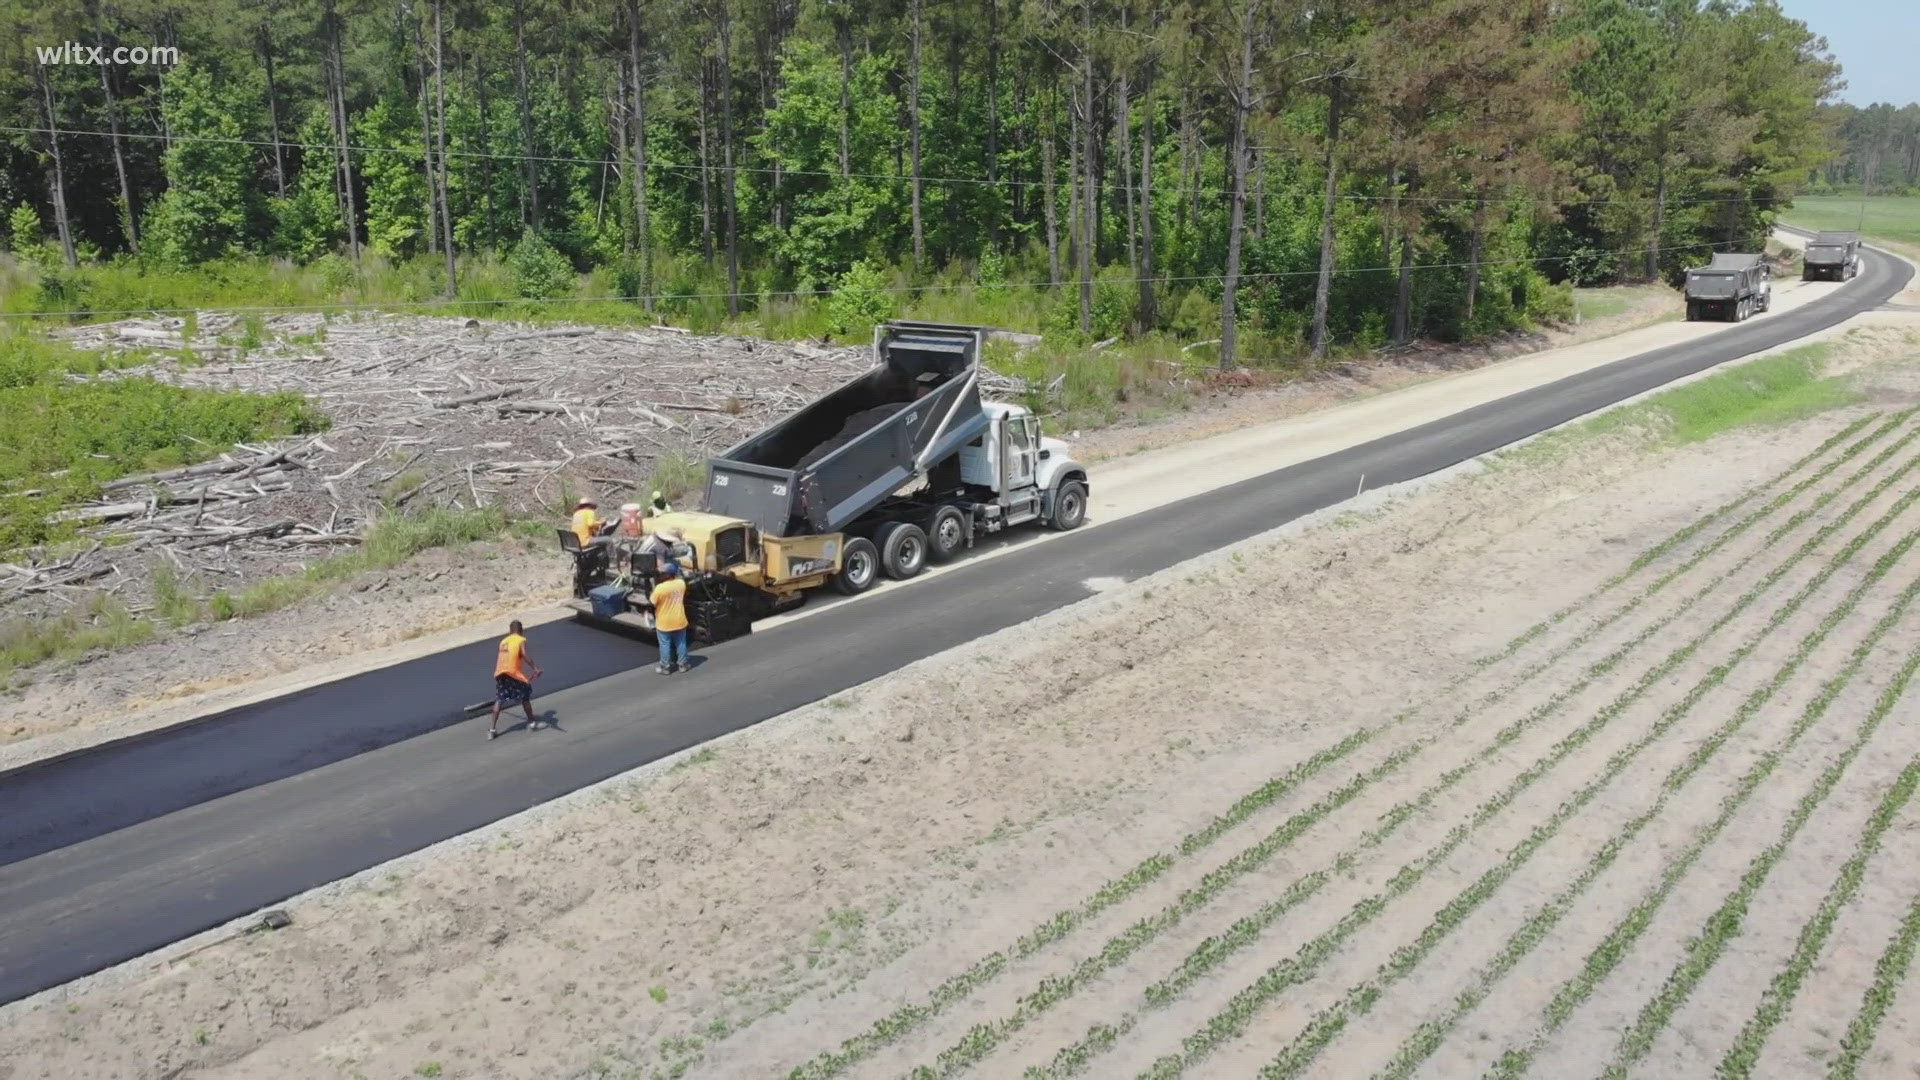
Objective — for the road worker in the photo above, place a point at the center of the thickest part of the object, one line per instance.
(586, 520)
(670, 619)
(513, 675)
(658, 505)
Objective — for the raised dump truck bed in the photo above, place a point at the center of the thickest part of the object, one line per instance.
(821, 468)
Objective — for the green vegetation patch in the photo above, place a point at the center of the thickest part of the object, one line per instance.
(1776, 389)
(1888, 217)
(61, 437)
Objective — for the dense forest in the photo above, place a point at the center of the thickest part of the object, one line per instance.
(1273, 173)
(1878, 150)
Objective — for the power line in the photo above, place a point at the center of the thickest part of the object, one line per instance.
(825, 291)
(1294, 196)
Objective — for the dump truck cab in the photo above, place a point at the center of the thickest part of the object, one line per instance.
(1831, 256)
(1730, 287)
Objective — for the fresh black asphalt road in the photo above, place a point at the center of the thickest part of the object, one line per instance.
(109, 854)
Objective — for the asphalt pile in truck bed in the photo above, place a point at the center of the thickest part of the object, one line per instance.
(857, 425)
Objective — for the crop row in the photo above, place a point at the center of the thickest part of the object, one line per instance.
(1231, 1021)
(964, 984)
(1429, 1035)
(1888, 971)
(1693, 528)
(1720, 928)
(1215, 950)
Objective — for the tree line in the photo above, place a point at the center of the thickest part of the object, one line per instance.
(1317, 170)
(1877, 152)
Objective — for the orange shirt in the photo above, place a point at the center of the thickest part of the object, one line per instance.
(584, 522)
(513, 658)
(670, 605)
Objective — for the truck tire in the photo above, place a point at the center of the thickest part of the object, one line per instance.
(903, 549)
(859, 567)
(946, 534)
(1069, 506)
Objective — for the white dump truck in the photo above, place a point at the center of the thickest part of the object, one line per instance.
(903, 465)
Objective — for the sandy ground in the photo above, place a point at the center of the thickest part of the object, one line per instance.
(1321, 800)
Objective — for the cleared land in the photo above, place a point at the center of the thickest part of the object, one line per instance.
(1598, 760)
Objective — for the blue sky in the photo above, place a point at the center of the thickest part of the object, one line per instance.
(1874, 40)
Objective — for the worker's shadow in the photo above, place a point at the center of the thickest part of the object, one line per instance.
(547, 721)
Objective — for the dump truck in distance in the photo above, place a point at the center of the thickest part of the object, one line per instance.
(1831, 256)
(1730, 288)
(903, 465)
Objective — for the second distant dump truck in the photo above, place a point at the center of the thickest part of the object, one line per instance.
(1831, 256)
(902, 466)
(1730, 288)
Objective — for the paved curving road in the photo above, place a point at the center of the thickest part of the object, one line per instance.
(109, 854)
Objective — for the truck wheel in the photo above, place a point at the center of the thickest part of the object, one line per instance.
(946, 534)
(859, 567)
(903, 550)
(1069, 506)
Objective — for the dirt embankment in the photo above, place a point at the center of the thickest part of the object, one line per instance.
(1322, 802)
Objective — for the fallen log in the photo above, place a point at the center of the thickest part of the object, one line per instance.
(273, 529)
(475, 399)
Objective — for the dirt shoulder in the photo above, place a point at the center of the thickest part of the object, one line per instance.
(776, 897)
(455, 595)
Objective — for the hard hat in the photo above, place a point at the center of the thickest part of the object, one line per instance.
(585, 500)
(629, 508)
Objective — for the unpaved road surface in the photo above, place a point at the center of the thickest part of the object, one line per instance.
(1596, 761)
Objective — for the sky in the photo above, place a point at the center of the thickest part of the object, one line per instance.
(1874, 40)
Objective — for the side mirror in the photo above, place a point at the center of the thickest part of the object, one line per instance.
(1045, 454)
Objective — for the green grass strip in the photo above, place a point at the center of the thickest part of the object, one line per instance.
(1215, 950)
(1231, 1021)
(1428, 1037)
(957, 988)
(1888, 972)
(1724, 924)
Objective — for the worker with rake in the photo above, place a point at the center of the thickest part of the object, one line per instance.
(512, 685)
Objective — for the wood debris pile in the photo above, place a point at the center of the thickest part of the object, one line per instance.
(426, 412)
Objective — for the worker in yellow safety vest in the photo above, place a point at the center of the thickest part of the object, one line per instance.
(586, 521)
